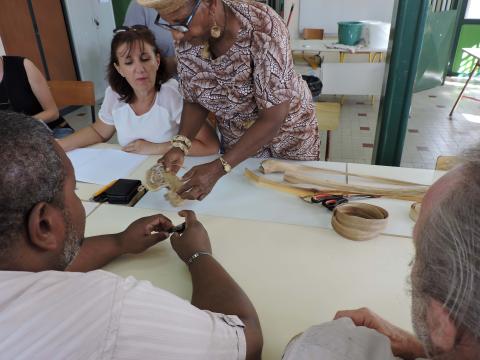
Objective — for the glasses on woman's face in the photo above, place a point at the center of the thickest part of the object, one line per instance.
(181, 26)
(130, 28)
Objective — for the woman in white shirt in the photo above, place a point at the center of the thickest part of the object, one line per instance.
(141, 105)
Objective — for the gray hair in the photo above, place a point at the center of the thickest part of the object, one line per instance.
(447, 264)
(31, 172)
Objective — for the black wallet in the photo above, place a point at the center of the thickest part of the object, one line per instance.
(121, 192)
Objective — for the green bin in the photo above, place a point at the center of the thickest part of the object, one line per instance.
(349, 32)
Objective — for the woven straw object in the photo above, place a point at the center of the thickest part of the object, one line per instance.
(358, 221)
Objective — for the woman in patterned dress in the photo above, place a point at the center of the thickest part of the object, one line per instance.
(234, 60)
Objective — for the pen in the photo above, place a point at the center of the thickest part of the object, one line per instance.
(105, 188)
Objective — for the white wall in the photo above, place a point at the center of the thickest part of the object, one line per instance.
(293, 27)
(2, 49)
(327, 13)
(91, 24)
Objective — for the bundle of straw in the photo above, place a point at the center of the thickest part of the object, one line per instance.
(299, 174)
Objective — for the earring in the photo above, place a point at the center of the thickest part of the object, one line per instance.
(215, 30)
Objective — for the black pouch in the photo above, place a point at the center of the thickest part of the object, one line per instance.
(122, 192)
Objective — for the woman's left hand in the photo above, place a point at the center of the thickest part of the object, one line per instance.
(200, 180)
(143, 147)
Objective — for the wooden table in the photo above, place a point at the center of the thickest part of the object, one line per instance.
(475, 52)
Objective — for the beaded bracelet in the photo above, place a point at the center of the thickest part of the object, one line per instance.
(182, 139)
(181, 146)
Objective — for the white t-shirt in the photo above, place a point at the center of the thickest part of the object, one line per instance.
(158, 125)
(98, 315)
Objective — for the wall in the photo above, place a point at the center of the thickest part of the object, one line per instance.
(293, 27)
(327, 13)
(469, 37)
(91, 26)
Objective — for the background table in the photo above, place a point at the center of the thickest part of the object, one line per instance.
(352, 78)
(475, 52)
(296, 276)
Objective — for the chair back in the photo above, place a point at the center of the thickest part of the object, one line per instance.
(446, 162)
(73, 93)
(328, 115)
(311, 33)
(69, 93)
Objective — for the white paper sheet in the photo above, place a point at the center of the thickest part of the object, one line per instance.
(101, 166)
(89, 207)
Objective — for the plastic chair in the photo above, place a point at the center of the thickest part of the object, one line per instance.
(446, 162)
(328, 118)
(70, 93)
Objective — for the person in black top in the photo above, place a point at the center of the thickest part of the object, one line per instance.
(24, 89)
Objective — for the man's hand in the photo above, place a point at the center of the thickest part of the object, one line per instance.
(193, 239)
(142, 147)
(404, 344)
(200, 180)
(143, 233)
(173, 160)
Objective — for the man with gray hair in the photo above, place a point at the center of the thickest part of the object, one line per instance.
(49, 313)
(445, 281)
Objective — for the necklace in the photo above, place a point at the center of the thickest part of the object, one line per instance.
(206, 51)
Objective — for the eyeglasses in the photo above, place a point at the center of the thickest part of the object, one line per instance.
(130, 28)
(182, 26)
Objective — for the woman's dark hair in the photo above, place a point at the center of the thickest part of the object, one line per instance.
(131, 35)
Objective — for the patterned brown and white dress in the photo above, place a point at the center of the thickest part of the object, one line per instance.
(255, 73)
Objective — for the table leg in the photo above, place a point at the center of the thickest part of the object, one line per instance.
(465, 87)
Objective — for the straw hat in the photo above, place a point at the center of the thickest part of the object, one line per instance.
(164, 6)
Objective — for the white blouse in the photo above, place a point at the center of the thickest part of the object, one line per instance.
(157, 125)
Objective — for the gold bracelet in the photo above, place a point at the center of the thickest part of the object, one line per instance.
(181, 146)
(182, 139)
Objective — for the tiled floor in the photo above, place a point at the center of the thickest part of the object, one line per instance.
(430, 131)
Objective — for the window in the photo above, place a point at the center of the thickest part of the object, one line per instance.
(473, 10)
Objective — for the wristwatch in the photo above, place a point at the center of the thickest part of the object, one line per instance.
(226, 166)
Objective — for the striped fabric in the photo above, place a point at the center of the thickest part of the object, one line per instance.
(98, 315)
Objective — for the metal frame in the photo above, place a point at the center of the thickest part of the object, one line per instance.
(70, 39)
(403, 62)
(38, 38)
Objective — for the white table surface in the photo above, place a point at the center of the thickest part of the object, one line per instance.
(321, 46)
(475, 52)
(296, 276)
(234, 196)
